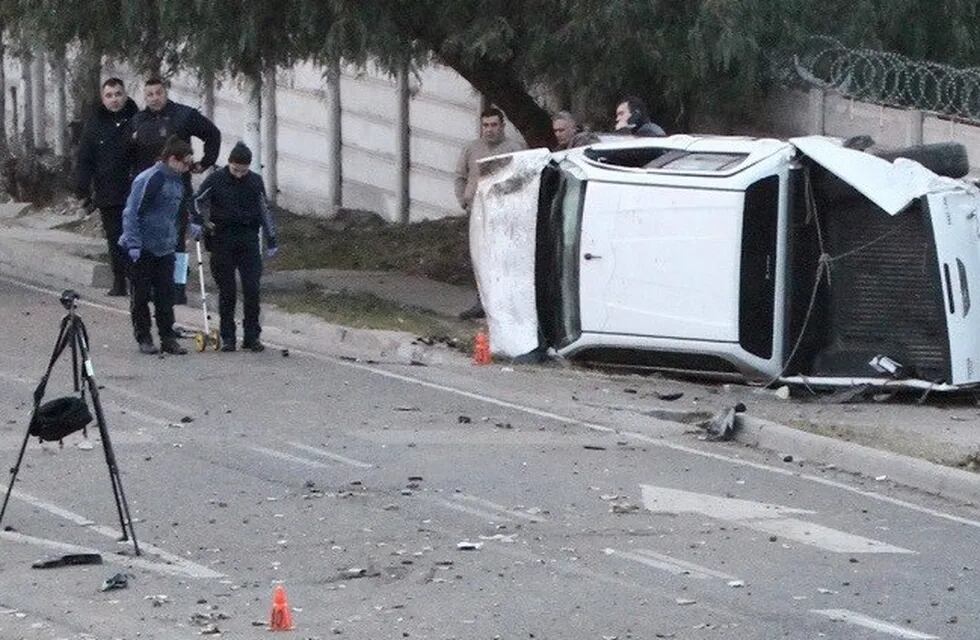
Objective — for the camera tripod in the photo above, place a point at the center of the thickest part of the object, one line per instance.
(73, 334)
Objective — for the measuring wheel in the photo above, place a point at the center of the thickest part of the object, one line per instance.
(204, 340)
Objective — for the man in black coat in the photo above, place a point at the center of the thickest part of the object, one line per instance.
(104, 170)
(150, 128)
(231, 207)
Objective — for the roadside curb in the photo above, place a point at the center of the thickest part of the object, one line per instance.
(947, 482)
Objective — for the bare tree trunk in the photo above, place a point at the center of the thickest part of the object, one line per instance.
(27, 94)
(335, 145)
(3, 91)
(252, 125)
(207, 95)
(60, 119)
(270, 134)
(403, 144)
(86, 81)
(38, 100)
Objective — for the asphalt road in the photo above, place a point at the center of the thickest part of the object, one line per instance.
(354, 485)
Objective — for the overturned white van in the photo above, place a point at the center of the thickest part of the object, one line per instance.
(766, 260)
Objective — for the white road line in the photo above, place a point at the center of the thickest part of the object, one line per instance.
(499, 507)
(184, 568)
(657, 442)
(861, 620)
(190, 568)
(332, 456)
(105, 404)
(288, 457)
(473, 511)
(135, 395)
(671, 565)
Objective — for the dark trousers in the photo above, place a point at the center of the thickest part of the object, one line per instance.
(229, 255)
(152, 278)
(112, 227)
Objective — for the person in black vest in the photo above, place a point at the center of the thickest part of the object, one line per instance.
(150, 128)
(229, 210)
(104, 171)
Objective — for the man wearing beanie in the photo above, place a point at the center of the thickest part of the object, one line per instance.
(229, 210)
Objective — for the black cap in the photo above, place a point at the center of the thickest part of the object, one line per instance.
(240, 154)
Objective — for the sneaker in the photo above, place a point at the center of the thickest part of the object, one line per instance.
(253, 345)
(148, 348)
(170, 345)
(228, 347)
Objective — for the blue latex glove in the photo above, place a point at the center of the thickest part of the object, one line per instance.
(195, 230)
(134, 254)
(271, 252)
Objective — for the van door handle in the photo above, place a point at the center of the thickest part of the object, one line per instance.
(592, 256)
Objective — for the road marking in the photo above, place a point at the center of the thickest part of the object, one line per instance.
(473, 511)
(670, 565)
(333, 456)
(499, 507)
(135, 395)
(861, 620)
(191, 569)
(105, 404)
(656, 442)
(184, 568)
(768, 518)
(288, 457)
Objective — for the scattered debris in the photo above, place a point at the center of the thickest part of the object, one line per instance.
(669, 396)
(782, 393)
(624, 507)
(722, 427)
(685, 601)
(68, 560)
(787, 458)
(406, 408)
(593, 447)
(503, 425)
(158, 600)
(85, 445)
(464, 420)
(187, 419)
(466, 545)
(736, 584)
(284, 352)
(118, 581)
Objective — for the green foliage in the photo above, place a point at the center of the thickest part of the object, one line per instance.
(683, 56)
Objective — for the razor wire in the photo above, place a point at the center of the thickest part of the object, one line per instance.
(887, 78)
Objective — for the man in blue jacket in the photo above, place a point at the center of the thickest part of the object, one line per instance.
(231, 205)
(150, 128)
(104, 170)
(150, 222)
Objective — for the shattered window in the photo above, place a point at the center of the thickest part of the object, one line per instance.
(697, 161)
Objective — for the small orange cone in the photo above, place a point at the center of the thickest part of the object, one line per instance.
(281, 618)
(481, 349)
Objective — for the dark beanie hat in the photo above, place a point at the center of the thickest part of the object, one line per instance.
(240, 154)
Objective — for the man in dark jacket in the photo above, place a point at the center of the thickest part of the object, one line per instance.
(104, 171)
(149, 237)
(231, 206)
(632, 117)
(150, 128)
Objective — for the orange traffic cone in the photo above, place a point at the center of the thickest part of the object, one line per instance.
(481, 349)
(281, 618)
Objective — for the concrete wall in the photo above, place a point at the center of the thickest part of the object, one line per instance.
(793, 113)
(443, 116)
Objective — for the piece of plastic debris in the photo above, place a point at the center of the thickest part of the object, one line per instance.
(685, 601)
(85, 445)
(466, 545)
(736, 584)
(782, 393)
(118, 581)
